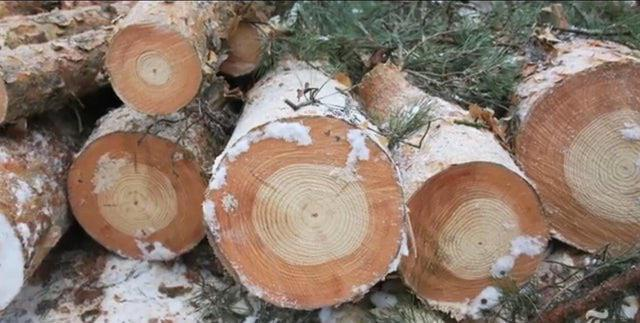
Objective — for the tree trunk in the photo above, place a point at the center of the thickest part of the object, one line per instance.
(577, 136)
(22, 30)
(137, 185)
(163, 52)
(43, 77)
(469, 203)
(304, 206)
(33, 204)
(15, 8)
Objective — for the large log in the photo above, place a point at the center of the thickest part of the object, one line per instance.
(471, 210)
(245, 42)
(22, 30)
(43, 77)
(33, 204)
(137, 185)
(163, 52)
(577, 136)
(304, 207)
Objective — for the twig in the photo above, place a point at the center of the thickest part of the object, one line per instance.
(593, 32)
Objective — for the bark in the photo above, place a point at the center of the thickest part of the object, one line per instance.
(33, 204)
(179, 54)
(461, 185)
(256, 208)
(44, 77)
(575, 137)
(23, 30)
(153, 170)
(15, 8)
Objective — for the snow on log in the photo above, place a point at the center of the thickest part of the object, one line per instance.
(474, 217)
(578, 140)
(22, 30)
(33, 204)
(43, 77)
(164, 51)
(88, 285)
(137, 185)
(304, 206)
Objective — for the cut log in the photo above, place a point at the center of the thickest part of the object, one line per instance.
(304, 207)
(245, 43)
(163, 52)
(577, 137)
(137, 185)
(21, 7)
(33, 204)
(44, 77)
(22, 30)
(471, 210)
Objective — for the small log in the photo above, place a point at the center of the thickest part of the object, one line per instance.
(22, 30)
(469, 203)
(164, 51)
(33, 203)
(245, 43)
(577, 137)
(44, 77)
(304, 207)
(137, 185)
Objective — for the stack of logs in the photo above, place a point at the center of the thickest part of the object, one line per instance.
(304, 171)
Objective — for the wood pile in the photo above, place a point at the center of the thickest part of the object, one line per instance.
(304, 199)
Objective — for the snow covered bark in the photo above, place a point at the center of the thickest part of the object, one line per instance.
(304, 207)
(22, 30)
(474, 217)
(137, 185)
(577, 137)
(33, 204)
(164, 51)
(44, 77)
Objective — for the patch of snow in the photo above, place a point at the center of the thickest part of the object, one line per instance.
(359, 290)
(631, 131)
(520, 245)
(250, 319)
(502, 266)
(24, 232)
(209, 211)
(229, 203)
(359, 150)
(107, 172)
(219, 178)
(488, 298)
(22, 192)
(288, 131)
(383, 300)
(155, 251)
(527, 245)
(325, 315)
(243, 145)
(11, 263)
(403, 251)
(630, 307)
(4, 157)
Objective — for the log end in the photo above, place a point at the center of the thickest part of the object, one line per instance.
(245, 50)
(4, 102)
(474, 225)
(580, 144)
(153, 69)
(138, 195)
(11, 263)
(306, 212)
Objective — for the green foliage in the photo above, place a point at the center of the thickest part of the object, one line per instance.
(404, 124)
(612, 20)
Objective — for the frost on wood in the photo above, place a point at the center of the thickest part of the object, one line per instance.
(359, 150)
(487, 299)
(229, 203)
(155, 251)
(209, 211)
(12, 265)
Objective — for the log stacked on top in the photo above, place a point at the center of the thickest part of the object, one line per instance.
(474, 217)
